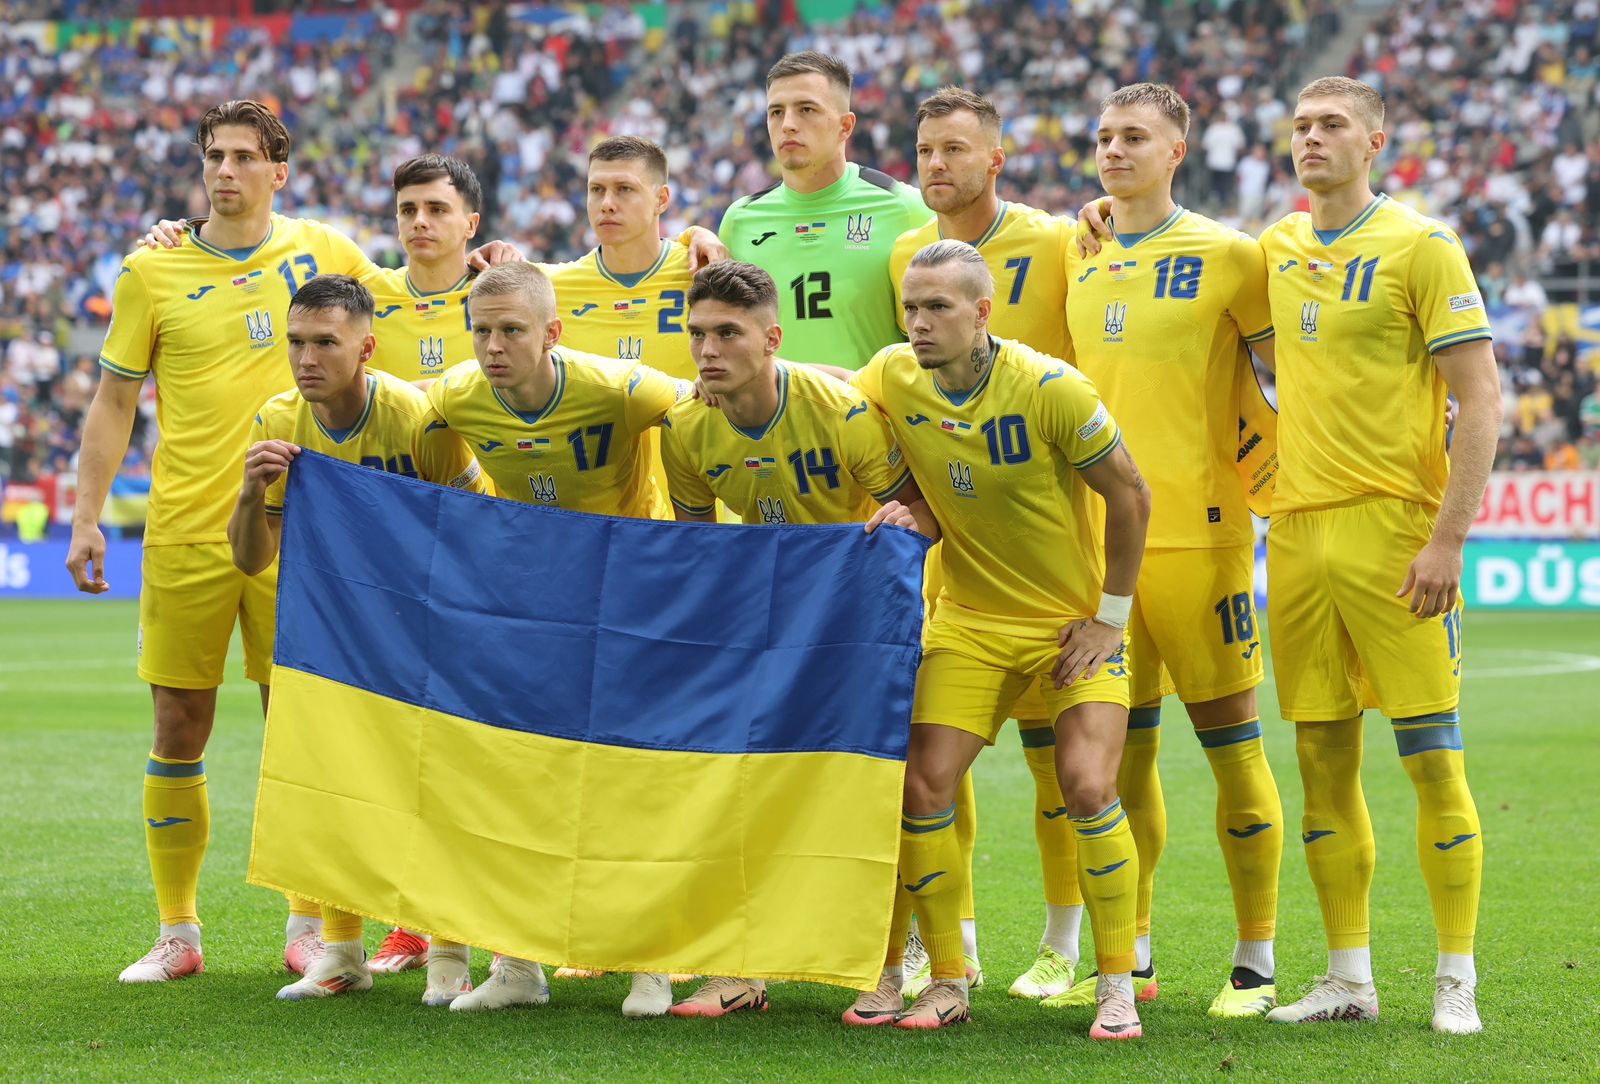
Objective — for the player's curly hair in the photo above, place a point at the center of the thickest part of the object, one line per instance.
(1168, 102)
(244, 113)
(742, 285)
(1368, 103)
(325, 292)
(430, 167)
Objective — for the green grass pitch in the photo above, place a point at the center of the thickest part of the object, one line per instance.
(76, 906)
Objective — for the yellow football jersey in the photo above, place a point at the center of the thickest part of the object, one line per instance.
(397, 432)
(1362, 311)
(999, 467)
(628, 317)
(1159, 322)
(1026, 250)
(419, 335)
(209, 325)
(585, 451)
(827, 456)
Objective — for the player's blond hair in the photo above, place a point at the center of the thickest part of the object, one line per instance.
(951, 99)
(967, 260)
(518, 278)
(1365, 100)
(1166, 101)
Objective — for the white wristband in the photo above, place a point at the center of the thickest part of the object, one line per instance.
(1114, 610)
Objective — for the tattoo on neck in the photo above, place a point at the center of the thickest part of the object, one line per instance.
(980, 356)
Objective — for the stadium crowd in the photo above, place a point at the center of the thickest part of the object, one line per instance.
(95, 129)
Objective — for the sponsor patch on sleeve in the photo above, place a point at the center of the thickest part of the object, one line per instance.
(1095, 423)
(894, 456)
(1462, 302)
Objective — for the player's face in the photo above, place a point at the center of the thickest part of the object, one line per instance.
(510, 337)
(1136, 148)
(807, 121)
(433, 220)
(943, 319)
(239, 178)
(957, 161)
(732, 347)
(327, 349)
(624, 201)
(1331, 146)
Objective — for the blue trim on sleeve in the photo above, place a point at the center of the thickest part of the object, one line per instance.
(107, 363)
(1456, 338)
(1098, 456)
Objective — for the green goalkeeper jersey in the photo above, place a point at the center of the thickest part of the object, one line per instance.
(829, 253)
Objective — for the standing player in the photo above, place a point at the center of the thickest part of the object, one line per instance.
(959, 159)
(1158, 320)
(422, 321)
(824, 233)
(1020, 438)
(371, 418)
(201, 320)
(786, 443)
(558, 427)
(1369, 510)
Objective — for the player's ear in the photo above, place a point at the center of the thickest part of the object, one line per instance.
(663, 198)
(552, 332)
(774, 337)
(997, 161)
(472, 224)
(280, 175)
(847, 123)
(368, 346)
(985, 306)
(1376, 139)
(1180, 151)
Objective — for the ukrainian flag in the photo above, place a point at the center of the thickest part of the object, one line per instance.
(615, 744)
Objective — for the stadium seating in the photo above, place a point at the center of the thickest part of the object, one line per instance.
(1493, 120)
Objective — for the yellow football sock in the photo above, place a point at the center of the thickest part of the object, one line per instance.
(967, 834)
(1052, 828)
(177, 826)
(1336, 829)
(1449, 835)
(299, 905)
(1108, 870)
(339, 925)
(931, 870)
(1249, 823)
(1140, 786)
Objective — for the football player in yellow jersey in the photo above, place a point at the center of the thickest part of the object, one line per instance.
(376, 419)
(959, 159)
(206, 320)
(785, 443)
(1379, 317)
(1158, 320)
(1009, 443)
(422, 322)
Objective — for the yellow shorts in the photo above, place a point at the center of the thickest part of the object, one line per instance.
(191, 597)
(1341, 640)
(971, 679)
(1193, 628)
(1030, 706)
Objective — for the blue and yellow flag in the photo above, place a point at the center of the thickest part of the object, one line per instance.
(609, 743)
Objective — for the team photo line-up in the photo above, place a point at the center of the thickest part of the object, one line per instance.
(846, 348)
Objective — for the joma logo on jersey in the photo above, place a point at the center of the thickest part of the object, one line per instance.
(1116, 321)
(629, 348)
(259, 325)
(961, 479)
(1309, 312)
(544, 488)
(858, 229)
(771, 509)
(431, 349)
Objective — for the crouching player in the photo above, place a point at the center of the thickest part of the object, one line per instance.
(1016, 439)
(340, 409)
(785, 443)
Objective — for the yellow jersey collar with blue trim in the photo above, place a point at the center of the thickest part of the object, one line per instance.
(777, 415)
(1128, 240)
(1328, 237)
(989, 232)
(622, 280)
(411, 287)
(545, 411)
(340, 436)
(192, 228)
(964, 397)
